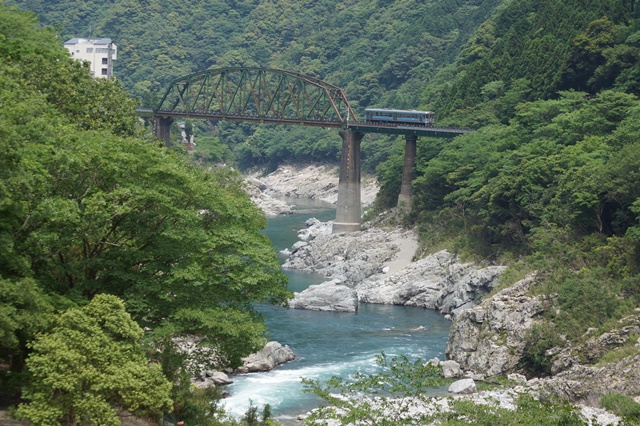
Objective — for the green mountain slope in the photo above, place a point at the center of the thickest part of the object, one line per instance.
(382, 53)
(375, 50)
(539, 47)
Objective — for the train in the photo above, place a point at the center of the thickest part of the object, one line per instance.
(400, 117)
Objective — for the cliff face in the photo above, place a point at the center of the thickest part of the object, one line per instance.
(489, 338)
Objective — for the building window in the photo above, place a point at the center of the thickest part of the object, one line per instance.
(101, 50)
(105, 61)
(104, 71)
(89, 49)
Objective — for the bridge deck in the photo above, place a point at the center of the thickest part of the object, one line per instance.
(390, 129)
(443, 132)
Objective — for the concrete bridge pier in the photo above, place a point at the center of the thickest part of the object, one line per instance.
(161, 126)
(404, 199)
(349, 209)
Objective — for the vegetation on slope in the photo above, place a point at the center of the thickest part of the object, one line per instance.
(87, 208)
(551, 176)
(380, 52)
(549, 180)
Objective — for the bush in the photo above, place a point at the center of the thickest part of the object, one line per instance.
(539, 341)
(621, 405)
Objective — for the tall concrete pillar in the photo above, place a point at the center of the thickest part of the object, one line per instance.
(161, 126)
(404, 199)
(349, 209)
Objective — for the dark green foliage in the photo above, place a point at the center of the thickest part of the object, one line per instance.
(87, 210)
(554, 45)
(380, 53)
(539, 340)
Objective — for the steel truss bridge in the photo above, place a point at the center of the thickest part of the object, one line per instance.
(271, 96)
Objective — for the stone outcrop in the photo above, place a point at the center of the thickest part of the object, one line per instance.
(594, 348)
(581, 373)
(328, 296)
(489, 338)
(266, 359)
(450, 369)
(587, 383)
(211, 379)
(377, 263)
(436, 282)
(349, 258)
(271, 206)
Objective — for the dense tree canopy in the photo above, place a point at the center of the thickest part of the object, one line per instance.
(380, 52)
(89, 367)
(549, 179)
(87, 209)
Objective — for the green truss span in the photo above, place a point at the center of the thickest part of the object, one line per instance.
(256, 95)
(271, 96)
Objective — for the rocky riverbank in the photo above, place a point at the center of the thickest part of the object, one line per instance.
(377, 264)
(487, 338)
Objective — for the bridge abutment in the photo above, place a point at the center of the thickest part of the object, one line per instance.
(161, 129)
(404, 199)
(349, 209)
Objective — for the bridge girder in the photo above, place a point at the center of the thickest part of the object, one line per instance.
(256, 94)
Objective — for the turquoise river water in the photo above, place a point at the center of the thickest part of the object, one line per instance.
(328, 344)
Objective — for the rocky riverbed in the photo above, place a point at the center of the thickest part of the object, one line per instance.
(380, 264)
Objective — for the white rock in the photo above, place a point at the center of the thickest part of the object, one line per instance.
(450, 369)
(434, 361)
(464, 386)
(271, 355)
(218, 377)
(328, 296)
(517, 378)
(489, 338)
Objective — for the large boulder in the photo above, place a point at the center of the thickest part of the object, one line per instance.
(436, 282)
(211, 379)
(464, 386)
(489, 338)
(328, 296)
(271, 355)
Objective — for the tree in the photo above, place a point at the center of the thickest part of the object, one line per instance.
(89, 367)
(387, 397)
(85, 210)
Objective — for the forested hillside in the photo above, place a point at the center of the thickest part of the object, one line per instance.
(548, 182)
(550, 179)
(382, 53)
(103, 232)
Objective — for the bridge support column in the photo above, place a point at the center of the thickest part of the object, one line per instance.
(349, 209)
(404, 199)
(161, 126)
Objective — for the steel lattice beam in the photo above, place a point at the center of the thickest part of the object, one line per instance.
(258, 95)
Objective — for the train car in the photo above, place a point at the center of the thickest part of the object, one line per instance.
(400, 117)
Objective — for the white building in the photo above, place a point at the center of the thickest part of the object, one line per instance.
(100, 53)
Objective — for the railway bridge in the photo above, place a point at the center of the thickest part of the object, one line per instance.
(271, 96)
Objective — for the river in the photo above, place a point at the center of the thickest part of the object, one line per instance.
(328, 344)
